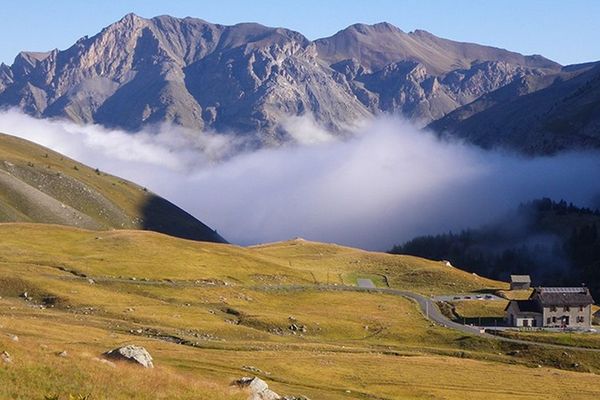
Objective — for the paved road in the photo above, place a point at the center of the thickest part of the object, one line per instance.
(431, 311)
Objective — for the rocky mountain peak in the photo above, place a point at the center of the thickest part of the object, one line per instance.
(369, 29)
(247, 78)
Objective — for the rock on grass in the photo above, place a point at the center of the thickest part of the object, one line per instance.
(131, 353)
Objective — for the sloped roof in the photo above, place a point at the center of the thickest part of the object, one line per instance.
(520, 279)
(563, 296)
(525, 306)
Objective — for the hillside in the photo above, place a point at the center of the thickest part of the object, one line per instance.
(555, 242)
(40, 185)
(210, 313)
(248, 78)
(539, 115)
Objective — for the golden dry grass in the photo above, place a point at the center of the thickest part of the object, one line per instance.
(231, 308)
(480, 308)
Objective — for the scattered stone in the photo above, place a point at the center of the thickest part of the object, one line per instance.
(14, 338)
(91, 281)
(131, 353)
(259, 390)
(6, 357)
(62, 354)
(513, 353)
(297, 328)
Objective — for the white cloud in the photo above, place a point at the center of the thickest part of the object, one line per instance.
(384, 185)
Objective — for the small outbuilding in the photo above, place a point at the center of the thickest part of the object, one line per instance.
(596, 317)
(523, 313)
(520, 282)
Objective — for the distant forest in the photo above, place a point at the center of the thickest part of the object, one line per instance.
(556, 242)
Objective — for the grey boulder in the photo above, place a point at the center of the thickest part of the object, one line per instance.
(131, 353)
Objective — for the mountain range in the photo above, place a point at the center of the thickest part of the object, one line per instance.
(246, 79)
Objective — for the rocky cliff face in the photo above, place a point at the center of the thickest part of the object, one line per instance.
(535, 115)
(248, 78)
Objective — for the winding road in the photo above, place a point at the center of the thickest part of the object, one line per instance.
(432, 312)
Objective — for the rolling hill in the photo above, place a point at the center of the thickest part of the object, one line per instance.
(210, 313)
(40, 185)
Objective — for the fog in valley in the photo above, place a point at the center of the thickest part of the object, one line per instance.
(384, 184)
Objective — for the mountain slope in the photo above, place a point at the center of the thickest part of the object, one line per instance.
(540, 116)
(248, 78)
(142, 71)
(40, 185)
(375, 46)
(555, 242)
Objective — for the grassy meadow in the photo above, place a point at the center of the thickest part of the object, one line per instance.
(211, 313)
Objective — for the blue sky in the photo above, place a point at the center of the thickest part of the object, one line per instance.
(565, 31)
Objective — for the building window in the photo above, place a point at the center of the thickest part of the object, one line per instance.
(580, 319)
(580, 308)
(566, 308)
(553, 320)
(553, 309)
(548, 320)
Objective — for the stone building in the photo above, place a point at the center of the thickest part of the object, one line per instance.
(552, 307)
(520, 282)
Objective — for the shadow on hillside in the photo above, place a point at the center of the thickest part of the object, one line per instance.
(486, 291)
(162, 216)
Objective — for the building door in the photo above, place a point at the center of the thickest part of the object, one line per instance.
(525, 322)
(534, 322)
(565, 320)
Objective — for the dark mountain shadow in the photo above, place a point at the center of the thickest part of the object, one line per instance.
(162, 216)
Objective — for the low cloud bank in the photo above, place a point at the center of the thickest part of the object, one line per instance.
(387, 184)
